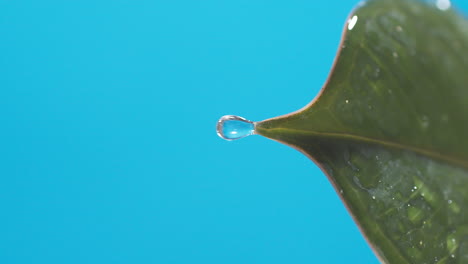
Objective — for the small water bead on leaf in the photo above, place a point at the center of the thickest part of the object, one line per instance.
(352, 22)
(231, 127)
(443, 4)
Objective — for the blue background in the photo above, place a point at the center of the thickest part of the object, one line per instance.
(108, 145)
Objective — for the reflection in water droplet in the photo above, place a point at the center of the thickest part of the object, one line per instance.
(443, 4)
(231, 127)
(377, 72)
(352, 22)
(424, 122)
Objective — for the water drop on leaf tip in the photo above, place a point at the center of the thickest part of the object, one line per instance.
(231, 127)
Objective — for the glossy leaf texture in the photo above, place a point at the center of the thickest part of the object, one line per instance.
(390, 129)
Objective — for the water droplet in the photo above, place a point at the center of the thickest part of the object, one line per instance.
(443, 4)
(424, 122)
(449, 201)
(352, 22)
(376, 72)
(231, 127)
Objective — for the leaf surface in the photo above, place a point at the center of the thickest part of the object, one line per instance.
(390, 129)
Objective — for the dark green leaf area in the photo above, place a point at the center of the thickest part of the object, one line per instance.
(390, 130)
(412, 208)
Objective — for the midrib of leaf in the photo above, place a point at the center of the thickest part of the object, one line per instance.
(418, 150)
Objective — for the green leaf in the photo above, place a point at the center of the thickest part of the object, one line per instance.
(390, 129)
